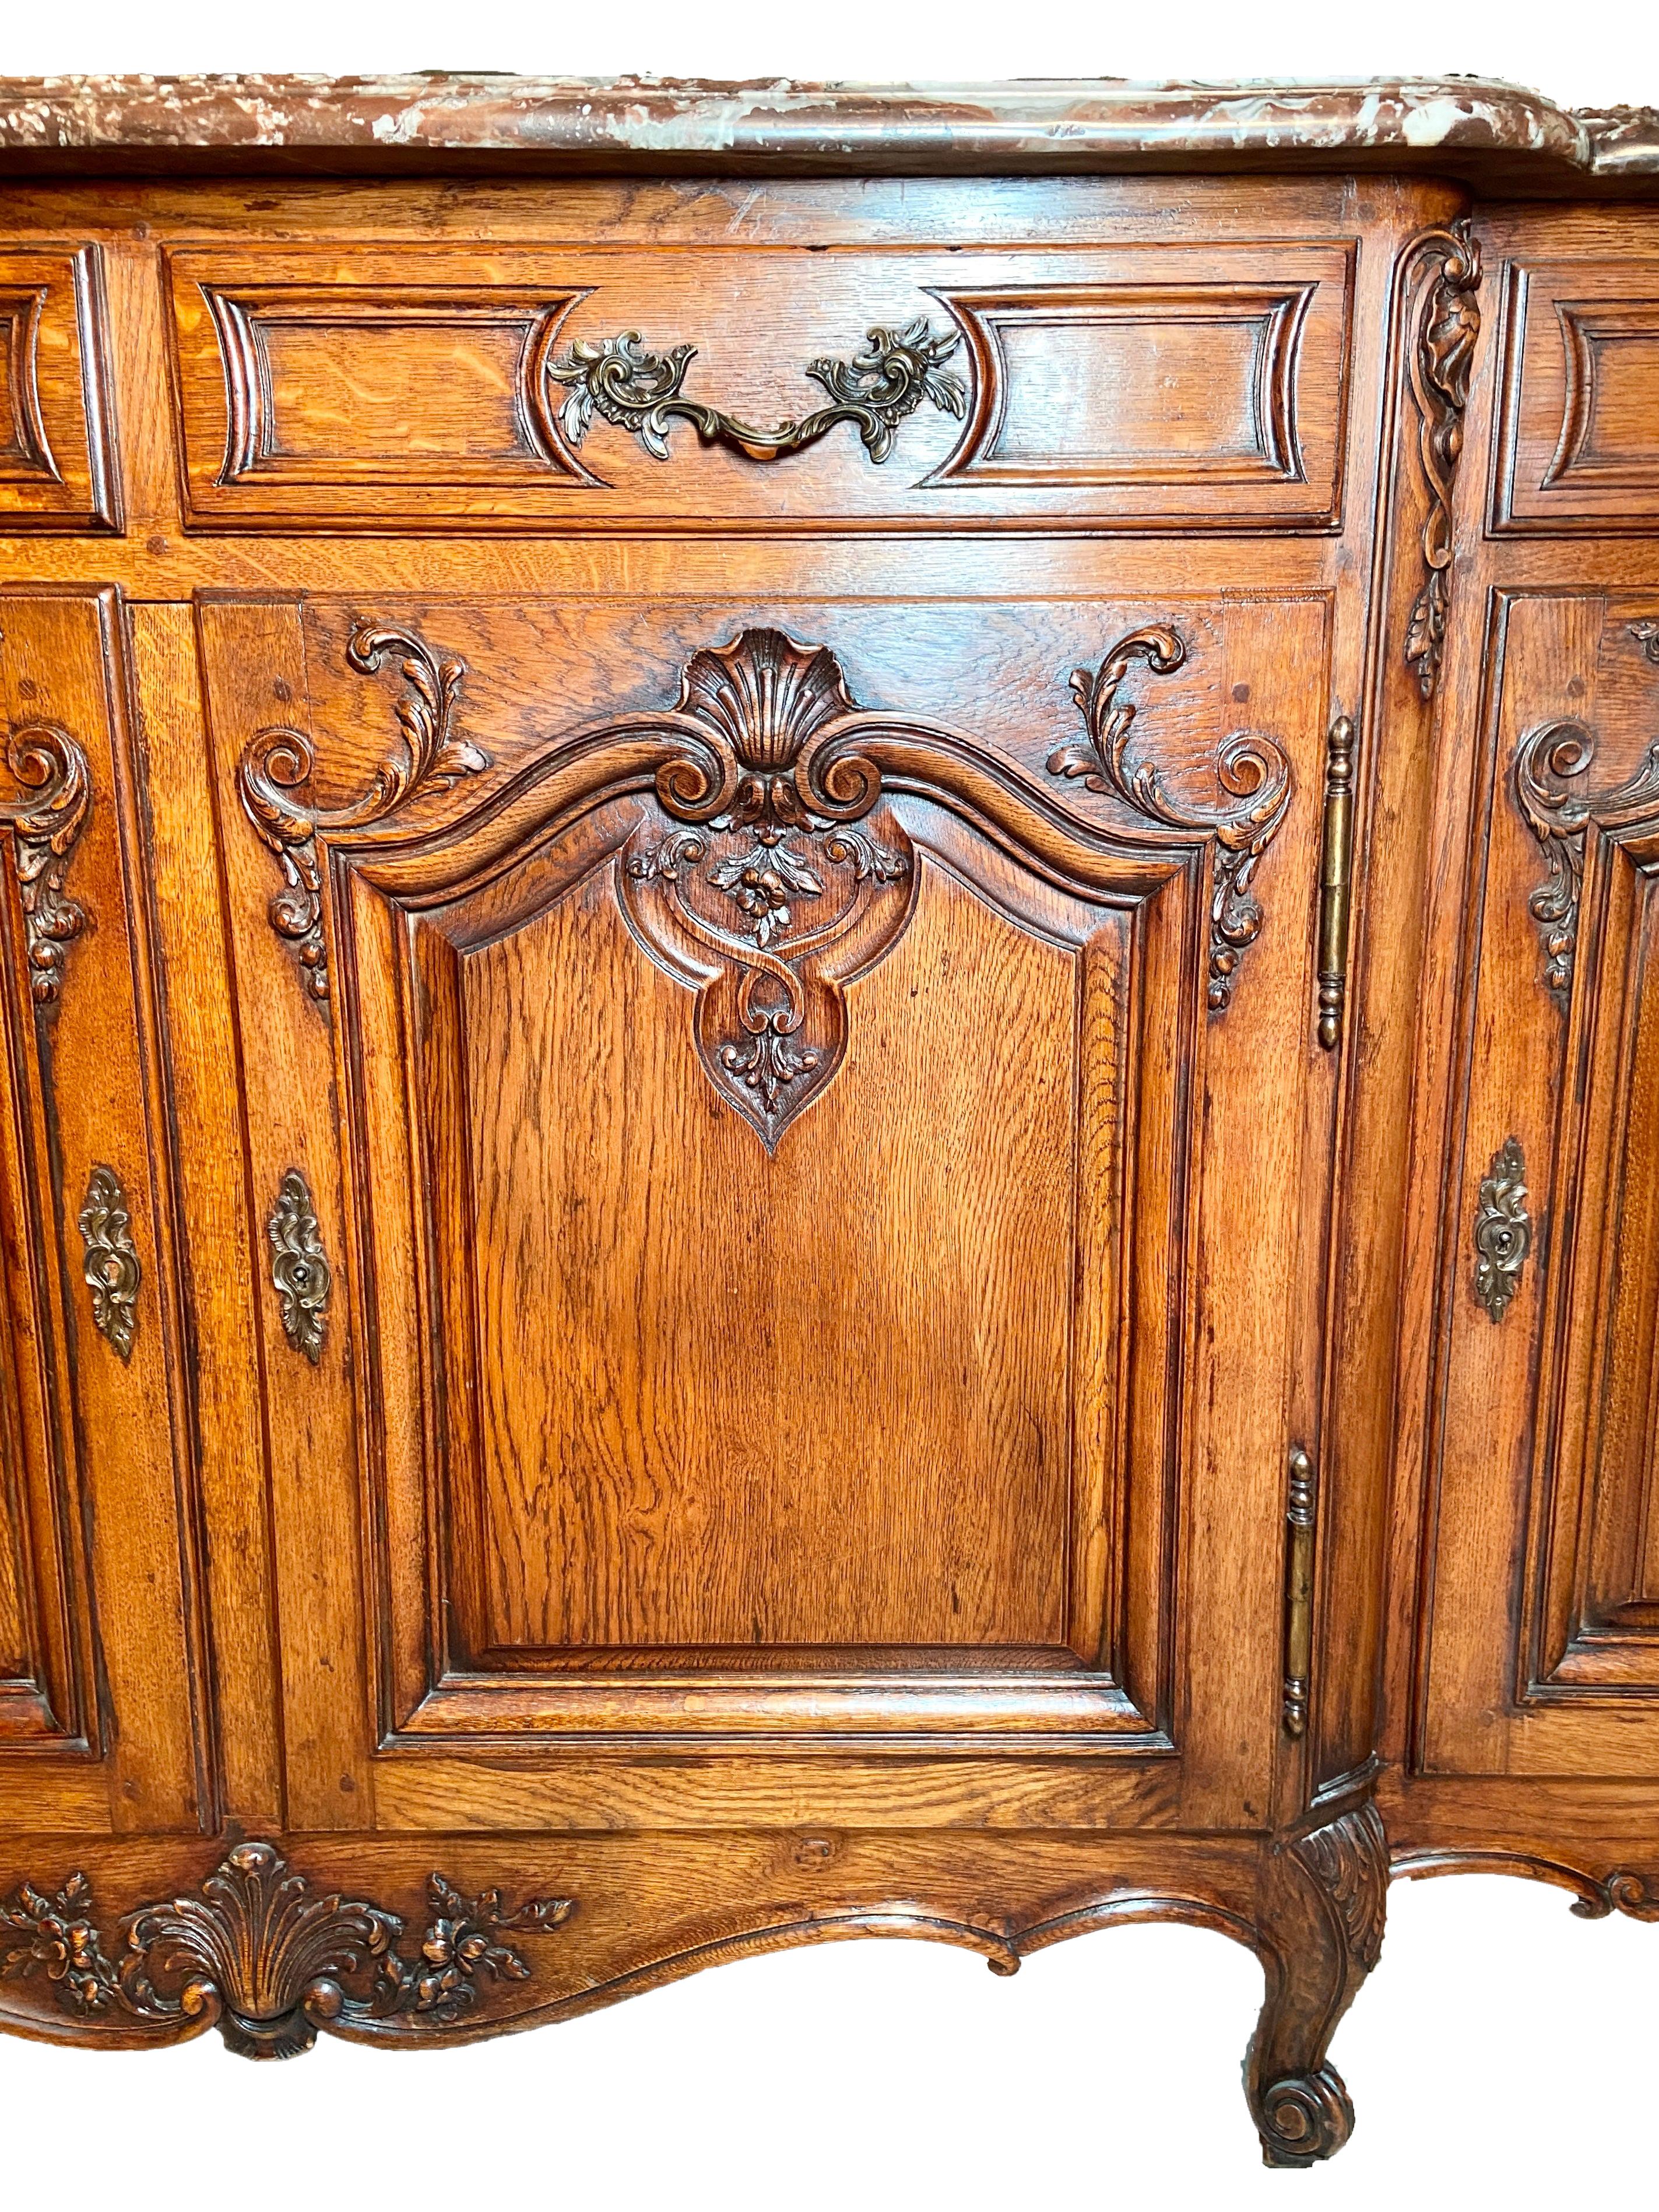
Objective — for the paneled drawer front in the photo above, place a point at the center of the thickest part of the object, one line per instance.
(55, 471)
(1578, 442)
(773, 388)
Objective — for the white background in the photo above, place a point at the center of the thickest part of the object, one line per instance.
(1503, 2052)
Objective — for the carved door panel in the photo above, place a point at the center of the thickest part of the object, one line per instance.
(782, 1136)
(97, 1683)
(1543, 1636)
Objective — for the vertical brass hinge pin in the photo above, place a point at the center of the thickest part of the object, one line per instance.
(1335, 880)
(1299, 1516)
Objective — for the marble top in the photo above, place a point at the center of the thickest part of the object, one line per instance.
(1499, 133)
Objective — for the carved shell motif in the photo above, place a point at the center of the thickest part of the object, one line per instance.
(769, 884)
(260, 1954)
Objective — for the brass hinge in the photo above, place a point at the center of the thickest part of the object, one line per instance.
(1335, 880)
(1299, 1515)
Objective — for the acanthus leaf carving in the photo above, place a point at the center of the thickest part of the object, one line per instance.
(258, 1954)
(279, 761)
(1439, 360)
(1559, 810)
(624, 383)
(1251, 768)
(769, 784)
(1349, 1858)
(56, 779)
(111, 1269)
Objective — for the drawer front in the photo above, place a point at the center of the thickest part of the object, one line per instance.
(1202, 387)
(55, 465)
(1578, 444)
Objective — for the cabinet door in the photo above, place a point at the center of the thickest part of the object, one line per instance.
(779, 1135)
(97, 1682)
(1543, 1645)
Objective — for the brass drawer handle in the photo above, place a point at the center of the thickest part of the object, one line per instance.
(1503, 1229)
(110, 1269)
(299, 1267)
(621, 381)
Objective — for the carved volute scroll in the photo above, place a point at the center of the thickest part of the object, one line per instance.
(299, 1267)
(1558, 809)
(624, 383)
(110, 1269)
(278, 762)
(1440, 358)
(55, 781)
(1251, 768)
(1503, 1229)
(769, 897)
(259, 1955)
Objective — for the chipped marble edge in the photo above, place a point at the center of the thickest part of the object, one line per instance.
(639, 117)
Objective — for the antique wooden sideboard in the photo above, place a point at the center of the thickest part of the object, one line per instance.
(830, 1080)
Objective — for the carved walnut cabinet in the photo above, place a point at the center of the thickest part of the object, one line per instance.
(830, 1083)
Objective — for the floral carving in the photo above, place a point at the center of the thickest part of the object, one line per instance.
(278, 762)
(265, 1959)
(1441, 358)
(1503, 1229)
(1559, 812)
(111, 1269)
(742, 900)
(1251, 768)
(624, 383)
(299, 1267)
(56, 783)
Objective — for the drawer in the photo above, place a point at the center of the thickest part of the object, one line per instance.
(1578, 436)
(776, 388)
(54, 448)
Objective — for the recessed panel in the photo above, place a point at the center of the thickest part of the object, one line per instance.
(56, 469)
(1578, 434)
(819, 1400)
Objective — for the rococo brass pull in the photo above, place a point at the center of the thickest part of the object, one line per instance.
(1335, 880)
(621, 381)
(1503, 1229)
(111, 1269)
(1299, 1519)
(299, 1267)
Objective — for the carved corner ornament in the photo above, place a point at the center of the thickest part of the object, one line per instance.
(624, 383)
(1558, 811)
(299, 1267)
(1440, 357)
(278, 762)
(1503, 1229)
(257, 1953)
(111, 1269)
(56, 782)
(1251, 768)
(775, 890)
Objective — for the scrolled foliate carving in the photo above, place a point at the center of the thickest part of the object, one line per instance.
(56, 780)
(258, 1954)
(1251, 768)
(1304, 2117)
(1634, 1894)
(110, 1269)
(299, 1267)
(278, 763)
(1349, 1858)
(1503, 1229)
(1440, 358)
(624, 383)
(1559, 810)
(774, 893)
